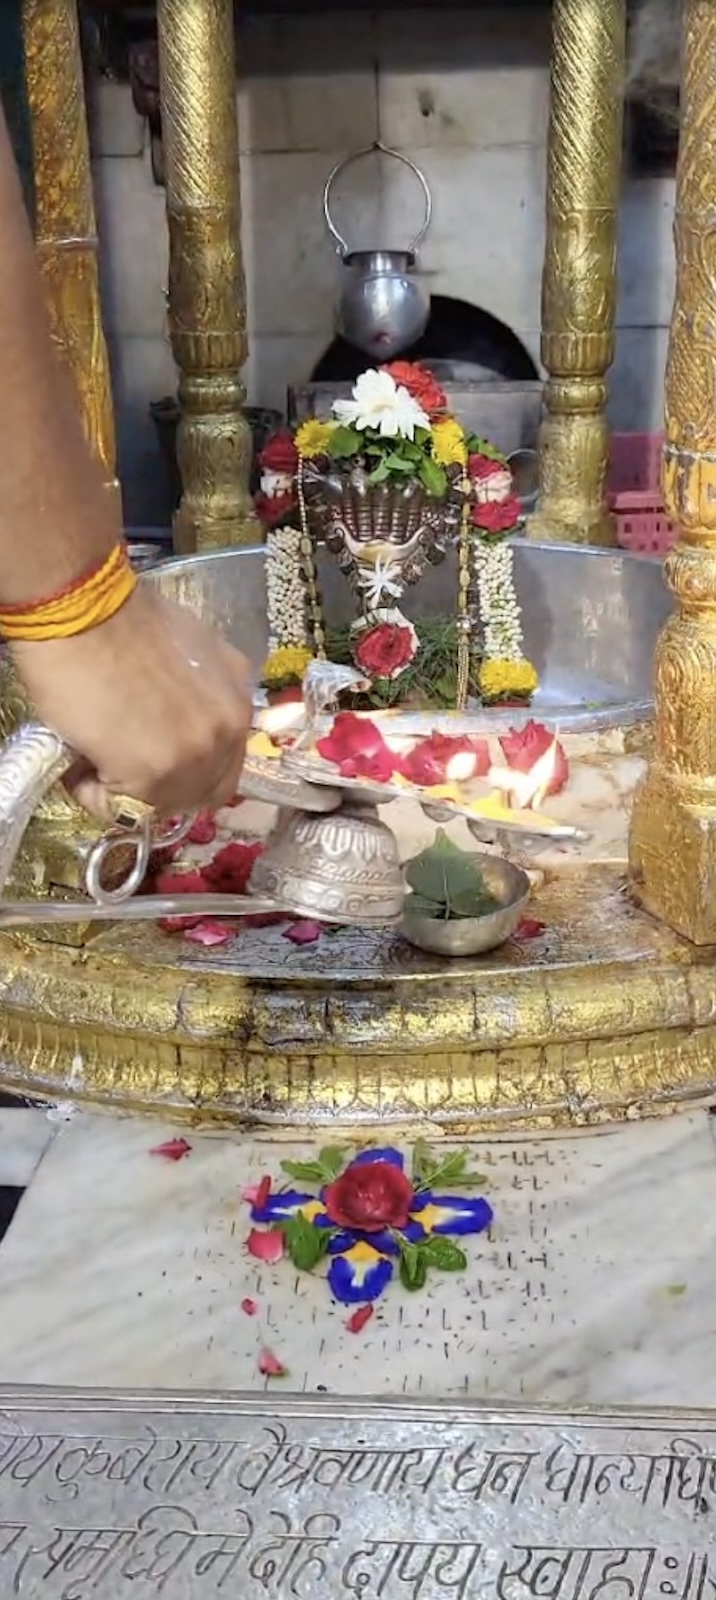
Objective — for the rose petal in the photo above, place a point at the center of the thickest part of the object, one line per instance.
(257, 1194)
(203, 829)
(266, 1245)
(250, 1307)
(270, 1366)
(172, 1149)
(530, 928)
(231, 868)
(175, 924)
(181, 883)
(209, 933)
(357, 1322)
(522, 747)
(304, 932)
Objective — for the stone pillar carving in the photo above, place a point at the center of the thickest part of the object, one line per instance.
(65, 223)
(579, 276)
(673, 834)
(207, 296)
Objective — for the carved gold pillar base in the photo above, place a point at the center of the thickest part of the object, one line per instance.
(673, 835)
(578, 282)
(207, 294)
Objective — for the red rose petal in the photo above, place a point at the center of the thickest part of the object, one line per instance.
(266, 1245)
(263, 1191)
(357, 1322)
(181, 883)
(270, 1366)
(230, 869)
(530, 928)
(279, 453)
(176, 924)
(304, 932)
(522, 747)
(352, 736)
(209, 933)
(203, 828)
(172, 1149)
(250, 1307)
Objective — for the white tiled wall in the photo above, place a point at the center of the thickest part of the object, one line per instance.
(462, 93)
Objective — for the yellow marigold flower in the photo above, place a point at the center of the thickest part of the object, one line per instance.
(498, 680)
(286, 664)
(448, 443)
(312, 438)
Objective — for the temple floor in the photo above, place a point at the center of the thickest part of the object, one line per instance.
(595, 1285)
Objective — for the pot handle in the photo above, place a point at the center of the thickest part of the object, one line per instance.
(31, 761)
(358, 155)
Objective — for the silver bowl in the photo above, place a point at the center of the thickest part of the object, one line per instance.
(342, 868)
(473, 936)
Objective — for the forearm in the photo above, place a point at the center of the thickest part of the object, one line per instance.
(56, 518)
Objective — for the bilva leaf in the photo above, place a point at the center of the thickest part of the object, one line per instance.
(332, 1160)
(444, 872)
(304, 1171)
(344, 442)
(432, 476)
(413, 1266)
(425, 908)
(306, 1245)
(444, 1254)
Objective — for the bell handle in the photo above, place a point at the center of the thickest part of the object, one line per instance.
(358, 155)
(32, 760)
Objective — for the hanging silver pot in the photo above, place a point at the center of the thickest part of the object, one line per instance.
(383, 308)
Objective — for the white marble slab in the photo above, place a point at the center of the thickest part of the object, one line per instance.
(596, 1286)
(24, 1137)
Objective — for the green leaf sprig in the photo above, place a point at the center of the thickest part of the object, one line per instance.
(447, 882)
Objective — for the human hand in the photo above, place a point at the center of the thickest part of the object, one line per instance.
(155, 703)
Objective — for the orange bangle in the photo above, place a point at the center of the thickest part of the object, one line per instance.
(80, 606)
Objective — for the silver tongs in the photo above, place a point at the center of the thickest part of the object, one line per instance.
(141, 908)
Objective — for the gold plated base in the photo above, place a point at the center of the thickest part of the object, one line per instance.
(606, 1015)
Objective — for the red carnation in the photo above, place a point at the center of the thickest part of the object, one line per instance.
(386, 650)
(496, 516)
(370, 1196)
(522, 747)
(279, 453)
(420, 384)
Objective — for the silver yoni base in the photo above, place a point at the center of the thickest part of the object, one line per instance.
(135, 1496)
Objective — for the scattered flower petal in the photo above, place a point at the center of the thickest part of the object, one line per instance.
(203, 828)
(270, 1366)
(250, 1307)
(357, 1322)
(209, 933)
(231, 868)
(304, 932)
(357, 740)
(427, 763)
(522, 747)
(182, 883)
(530, 928)
(172, 1149)
(266, 1245)
(175, 924)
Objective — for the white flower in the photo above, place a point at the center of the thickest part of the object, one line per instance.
(379, 402)
(383, 578)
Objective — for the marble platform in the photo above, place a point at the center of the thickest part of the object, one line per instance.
(596, 1285)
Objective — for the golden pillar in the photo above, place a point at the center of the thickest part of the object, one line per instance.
(207, 294)
(579, 277)
(673, 836)
(66, 227)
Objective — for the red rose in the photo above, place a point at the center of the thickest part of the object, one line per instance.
(385, 651)
(522, 747)
(420, 384)
(274, 509)
(480, 466)
(370, 1196)
(279, 453)
(495, 516)
(426, 764)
